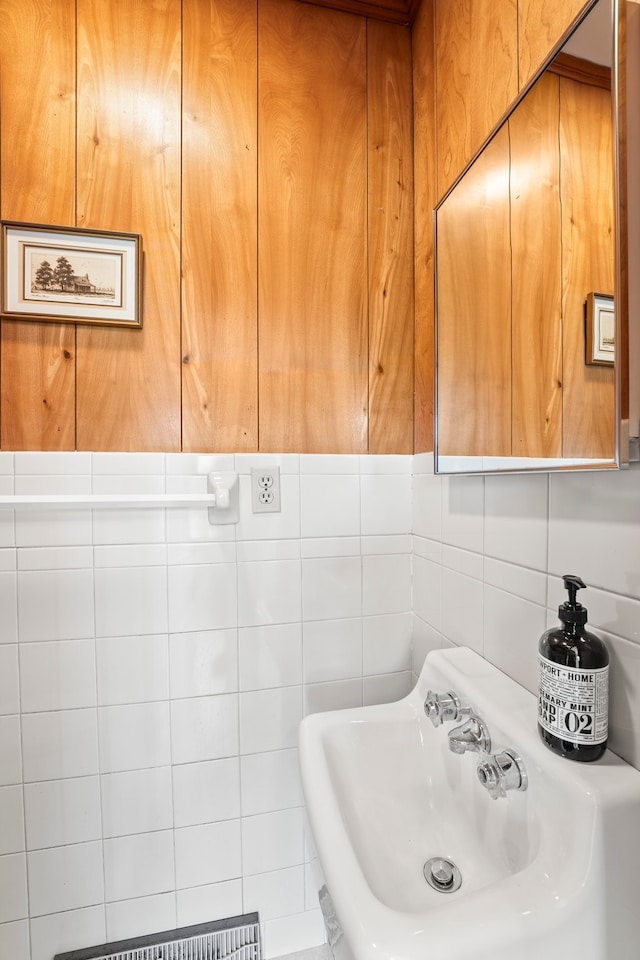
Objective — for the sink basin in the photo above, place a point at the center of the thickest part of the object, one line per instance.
(548, 871)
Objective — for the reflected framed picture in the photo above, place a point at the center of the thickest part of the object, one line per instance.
(600, 329)
(70, 274)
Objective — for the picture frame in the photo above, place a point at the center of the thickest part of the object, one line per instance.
(70, 274)
(600, 330)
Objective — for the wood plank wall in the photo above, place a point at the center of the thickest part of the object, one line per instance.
(486, 51)
(263, 149)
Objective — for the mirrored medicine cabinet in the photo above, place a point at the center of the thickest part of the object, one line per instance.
(531, 302)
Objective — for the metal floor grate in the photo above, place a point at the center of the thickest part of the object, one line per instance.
(236, 938)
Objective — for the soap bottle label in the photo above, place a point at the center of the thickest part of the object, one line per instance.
(573, 704)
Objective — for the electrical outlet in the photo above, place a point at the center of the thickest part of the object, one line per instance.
(265, 489)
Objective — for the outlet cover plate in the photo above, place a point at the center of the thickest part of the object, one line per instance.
(265, 489)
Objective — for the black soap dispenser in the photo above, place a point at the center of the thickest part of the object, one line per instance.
(573, 685)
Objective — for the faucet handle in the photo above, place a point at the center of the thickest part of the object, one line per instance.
(472, 735)
(501, 772)
(444, 706)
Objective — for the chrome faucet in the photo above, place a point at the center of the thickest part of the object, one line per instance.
(501, 772)
(472, 735)
(444, 706)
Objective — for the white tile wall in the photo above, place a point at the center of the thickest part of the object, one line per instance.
(154, 670)
(488, 559)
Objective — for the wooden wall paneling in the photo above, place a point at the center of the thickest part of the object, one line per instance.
(390, 231)
(541, 24)
(424, 135)
(588, 252)
(536, 273)
(37, 185)
(129, 119)
(474, 310)
(476, 69)
(312, 294)
(219, 215)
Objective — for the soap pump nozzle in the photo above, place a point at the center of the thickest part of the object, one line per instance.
(571, 611)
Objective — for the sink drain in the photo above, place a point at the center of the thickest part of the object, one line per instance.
(442, 875)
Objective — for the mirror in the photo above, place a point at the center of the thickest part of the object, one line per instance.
(527, 376)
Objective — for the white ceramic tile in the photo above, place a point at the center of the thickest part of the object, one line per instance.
(60, 812)
(176, 483)
(396, 543)
(612, 612)
(269, 719)
(209, 853)
(61, 932)
(329, 463)
(329, 505)
(427, 549)
(9, 688)
(55, 604)
(289, 463)
(515, 525)
(332, 650)
(204, 728)
(128, 484)
(12, 820)
(249, 551)
(53, 463)
(222, 551)
(462, 610)
(138, 801)
(386, 643)
(425, 639)
(385, 504)
(130, 555)
(37, 528)
(279, 893)
(594, 527)
(463, 561)
(132, 669)
(13, 887)
(59, 745)
(624, 698)
(7, 520)
(528, 584)
(192, 524)
(127, 464)
(203, 663)
(206, 792)
(134, 736)
(10, 753)
(336, 695)
(386, 584)
(55, 558)
(331, 547)
(14, 940)
(202, 597)
(380, 463)
(7, 463)
(387, 688)
(57, 675)
(146, 525)
(270, 656)
(8, 559)
(199, 904)
(427, 506)
(38, 484)
(270, 781)
(427, 591)
(331, 588)
(299, 932)
(135, 918)
(65, 878)
(463, 512)
(200, 464)
(269, 592)
(282, 525)
(272, 841)
(9, 607)
(130, 600)
(138, 866)
(512, 628)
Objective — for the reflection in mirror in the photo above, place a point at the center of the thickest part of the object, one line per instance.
(525, 256)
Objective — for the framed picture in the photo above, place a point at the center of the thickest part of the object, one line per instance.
(600, 339)
(69, 274)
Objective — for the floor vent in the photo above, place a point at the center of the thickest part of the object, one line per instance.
(236, 938)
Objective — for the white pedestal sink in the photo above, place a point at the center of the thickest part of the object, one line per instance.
(549, 872)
